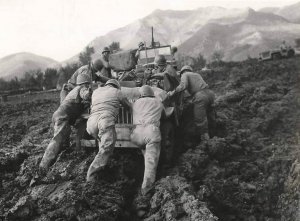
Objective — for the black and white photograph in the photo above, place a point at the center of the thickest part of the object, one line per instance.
(149, 110)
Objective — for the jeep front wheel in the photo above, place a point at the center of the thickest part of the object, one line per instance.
(291, 53)
(276, 56)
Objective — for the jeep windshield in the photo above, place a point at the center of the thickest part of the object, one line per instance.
(147, 55)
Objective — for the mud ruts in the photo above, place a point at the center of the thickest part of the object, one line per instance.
(249, 172)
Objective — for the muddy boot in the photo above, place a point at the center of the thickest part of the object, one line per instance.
(141, 202)
(94, 175)
(38, 176)
(204, 137)
(141, 205)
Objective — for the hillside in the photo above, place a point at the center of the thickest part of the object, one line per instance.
(16, 65)
(290, 12)
(250, 171)
(170, 27)
(250, 31)
(252, 34)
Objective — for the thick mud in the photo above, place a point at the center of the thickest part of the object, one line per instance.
(249, 171)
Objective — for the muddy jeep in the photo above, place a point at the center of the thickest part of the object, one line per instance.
(124, 126)
(129, 68)
(276, 54)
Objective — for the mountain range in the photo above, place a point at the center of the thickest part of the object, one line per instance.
(238, 33)
(16, 65)
(290, 12)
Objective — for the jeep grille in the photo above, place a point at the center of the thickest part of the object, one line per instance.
(125, 116)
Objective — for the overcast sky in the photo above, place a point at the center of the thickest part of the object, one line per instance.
(60, 29)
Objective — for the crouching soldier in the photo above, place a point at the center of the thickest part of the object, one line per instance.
(147, 111)
(93, 69)
(67, 113)
(101, 123)
(202, 99)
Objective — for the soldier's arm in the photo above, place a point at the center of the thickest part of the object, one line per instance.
(181, 87)
(163, 111)
(124, 101)
(137, 54)
(101, 77)
(85, 94)
(159, 74)
(183, 84)
(105, 63)
(72, 80)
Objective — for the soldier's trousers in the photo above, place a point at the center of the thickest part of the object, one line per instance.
(204, 113)
(63, 94)
(148, 137)
(102, 129)
(62, 131)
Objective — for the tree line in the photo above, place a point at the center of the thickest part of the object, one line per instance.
(52, 78)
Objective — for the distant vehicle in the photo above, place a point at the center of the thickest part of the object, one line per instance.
(297, 51)
(277, 54)
(297, 46)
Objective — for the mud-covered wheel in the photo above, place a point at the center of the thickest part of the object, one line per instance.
(276, 56)
(291, 53)
(168, 141)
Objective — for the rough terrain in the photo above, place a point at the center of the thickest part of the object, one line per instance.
(250, 171)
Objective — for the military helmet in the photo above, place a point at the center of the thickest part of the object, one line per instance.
(174, 49)
(97, 64)
(146, 91)
(141, 44)
(105, 49)
(160, 60)
(82, 79)
(186, 68)
(114, 83)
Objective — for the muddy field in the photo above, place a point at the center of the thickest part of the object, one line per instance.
(250, 171)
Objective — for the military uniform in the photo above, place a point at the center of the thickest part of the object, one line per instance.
(202, 99)
(146, 118)
(101, 124)
(67, 113)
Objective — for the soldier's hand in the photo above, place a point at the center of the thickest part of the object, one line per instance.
(65, 87)
(170, 93)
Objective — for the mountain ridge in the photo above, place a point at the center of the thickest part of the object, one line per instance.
(177, 27)
(239, 33)
(17, 64)
(290, 12)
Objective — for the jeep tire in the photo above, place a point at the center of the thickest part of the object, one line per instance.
(276, 56)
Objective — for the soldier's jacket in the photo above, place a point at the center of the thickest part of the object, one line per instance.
(170, 78)
(106, 102)
(106, 70)
(73, 105)
(147, 110)
(86, 69)
(192, 82)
